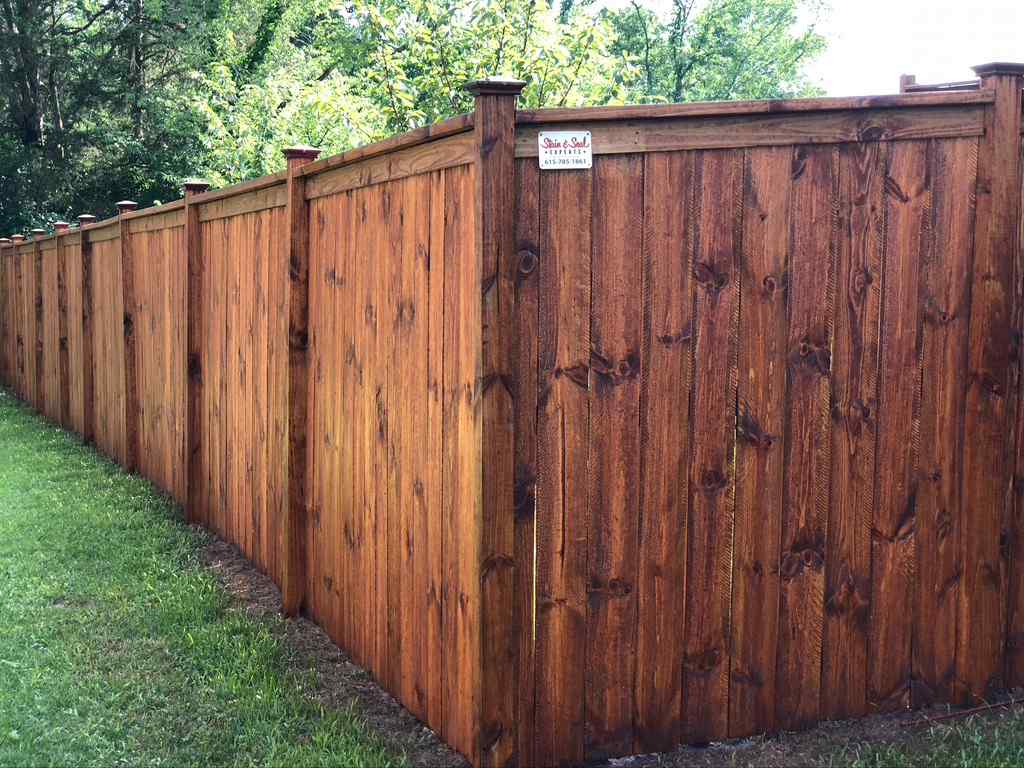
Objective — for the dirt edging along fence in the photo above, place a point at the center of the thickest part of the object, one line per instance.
(719, 435)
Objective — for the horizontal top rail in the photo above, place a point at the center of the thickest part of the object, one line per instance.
(449, 127)
(765, 106)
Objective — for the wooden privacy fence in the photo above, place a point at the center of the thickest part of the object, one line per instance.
(720, 435)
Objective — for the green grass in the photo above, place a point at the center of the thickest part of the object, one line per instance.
(979, 742)
(117, 647)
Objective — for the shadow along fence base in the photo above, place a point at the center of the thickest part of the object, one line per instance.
(717, 436)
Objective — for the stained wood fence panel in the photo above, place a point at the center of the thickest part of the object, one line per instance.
(719, 436)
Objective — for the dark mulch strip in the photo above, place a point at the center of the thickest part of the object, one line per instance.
(340, 684)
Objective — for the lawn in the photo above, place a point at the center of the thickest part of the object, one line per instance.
(117, 647)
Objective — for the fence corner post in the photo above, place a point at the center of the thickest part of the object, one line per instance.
(293, 532)
(195, 312)
(131, 374)
(993, 400)
(60, 228)
(88, 389)
(494, 129)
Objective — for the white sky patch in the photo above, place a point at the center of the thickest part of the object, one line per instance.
(872, 42)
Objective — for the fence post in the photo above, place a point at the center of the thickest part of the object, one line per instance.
(61, 228)
(494, 129)
(5, 303)
(293, 532)
(88, 390)
(196, 312)
(131, 374)
(992, 401)
(39, 396)
(20, 321)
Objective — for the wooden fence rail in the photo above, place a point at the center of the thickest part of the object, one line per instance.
(716, 436)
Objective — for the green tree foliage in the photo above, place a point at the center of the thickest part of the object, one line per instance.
(106, 99)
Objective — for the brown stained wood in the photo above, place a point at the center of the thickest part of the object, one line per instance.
(563, 433)
(614, 455)
(461, 463)
(433, 156)
(990, 402)
(88, 335)
(748, 108)
(50, 294)
(38, 296)
(63, 359)
(293, 575)
(73, 290)
(908, 244)
(709, 544)
(944, 310)
(433, 474)
(674, 134)
(238, 205)
(1015, 606)
(196, 338)
(855, 372)
(160, 222)
(494, 130)
(19, 318)
(451, 126)
(666, 366)
(525, 270)
(132, 351)
(811, 286)
(760, 432)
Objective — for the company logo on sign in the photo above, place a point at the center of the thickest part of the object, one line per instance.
(564, 149)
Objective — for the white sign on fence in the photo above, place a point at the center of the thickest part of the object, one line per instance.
(564, 149)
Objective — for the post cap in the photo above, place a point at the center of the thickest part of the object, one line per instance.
(495, 86)
(195, 186)
(85, 220)
(126, 205)
(38, 233)
(5, 239)
(18, 238)
(60, 226)
(301, 152)
(998, 68)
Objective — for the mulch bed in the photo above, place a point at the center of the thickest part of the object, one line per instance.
(339, 685)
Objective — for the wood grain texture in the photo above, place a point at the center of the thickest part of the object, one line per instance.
(908, 243)
(760, 433)
(855, 361)
(944, 310)
(666, 368)
(716, 270)
(811, 288)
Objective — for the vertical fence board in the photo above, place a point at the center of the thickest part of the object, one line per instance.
(908, 235)
(808, 436)
(563, 429)
(712, 472)
(859, 258)
(761, 423)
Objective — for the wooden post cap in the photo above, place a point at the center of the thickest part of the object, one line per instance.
(998, 68)
(195, 186)
(495, 86)
(85, 220)
(18, 238)
(61, 226)
(301, 152)
(126, 205)
(38, 234)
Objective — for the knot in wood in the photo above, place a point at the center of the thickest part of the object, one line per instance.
(527, 262)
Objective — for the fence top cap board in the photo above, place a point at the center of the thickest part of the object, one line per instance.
(495, 86)
(301, 152)
(195, 186)
(999, 68)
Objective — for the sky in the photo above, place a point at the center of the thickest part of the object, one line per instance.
(873, 42)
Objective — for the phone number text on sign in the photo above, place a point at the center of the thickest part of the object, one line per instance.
(564, 149)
